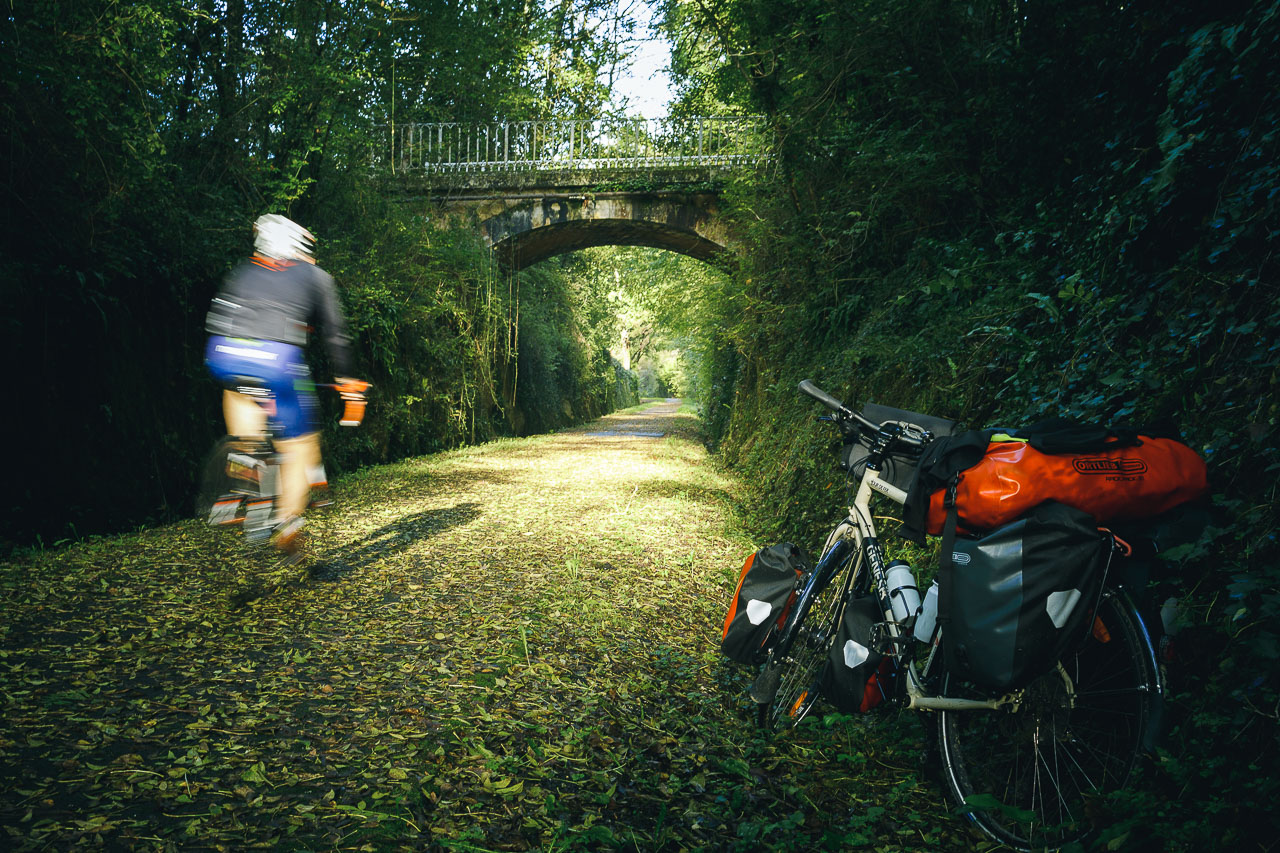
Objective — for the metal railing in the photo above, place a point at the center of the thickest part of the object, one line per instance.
(578, 144)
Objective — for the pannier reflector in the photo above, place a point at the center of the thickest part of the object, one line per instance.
(1060, 604)
(758, 611)
(855, 654)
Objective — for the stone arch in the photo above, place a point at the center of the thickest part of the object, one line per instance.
(533, 230)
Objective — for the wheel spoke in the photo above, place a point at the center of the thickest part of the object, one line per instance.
(1052, 773)
(1083, 746)
(1138, 690)
(1075, 735)
(816, 616)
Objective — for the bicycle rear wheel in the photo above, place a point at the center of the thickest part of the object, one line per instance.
(801, 653)
(1032, 777)
(231, 481)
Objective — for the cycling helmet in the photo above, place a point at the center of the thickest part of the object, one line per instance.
(275, 236)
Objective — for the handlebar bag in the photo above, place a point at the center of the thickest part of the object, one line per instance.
(999, 476)
(898, 471)
(1014, 601)
(761, 601)
(857, 676)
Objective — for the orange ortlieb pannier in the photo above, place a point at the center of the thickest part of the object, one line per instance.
(759, 607)
(1127, 482)
(997, 476)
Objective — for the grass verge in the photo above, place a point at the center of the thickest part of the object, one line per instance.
(506, 647)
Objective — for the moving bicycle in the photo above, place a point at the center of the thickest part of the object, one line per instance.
(258, 325)
(1029, 648)
(243, 480)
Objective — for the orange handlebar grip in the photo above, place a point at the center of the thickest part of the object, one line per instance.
(352, 412)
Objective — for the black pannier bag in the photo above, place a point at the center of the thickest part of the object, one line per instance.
(857, 676)
(898, 472)
(765, 592)
(1014, 601)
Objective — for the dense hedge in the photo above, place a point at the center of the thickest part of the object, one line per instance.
(458, 350)
(1003, 212)
(142, 139)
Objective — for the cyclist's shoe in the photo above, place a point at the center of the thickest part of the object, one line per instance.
(288, 539)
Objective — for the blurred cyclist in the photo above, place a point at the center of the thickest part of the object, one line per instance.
(258, 325)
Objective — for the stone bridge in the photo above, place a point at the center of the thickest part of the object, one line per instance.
(539, 189)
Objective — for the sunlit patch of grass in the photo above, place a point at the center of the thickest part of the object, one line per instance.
(512, 646)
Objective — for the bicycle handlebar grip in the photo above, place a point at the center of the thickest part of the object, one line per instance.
(353, 401)
(807, 387)
(346, 386)
(352, 411)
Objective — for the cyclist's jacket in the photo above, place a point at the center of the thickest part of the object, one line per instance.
(268, 299)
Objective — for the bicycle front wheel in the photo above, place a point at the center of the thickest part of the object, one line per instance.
(811, 627)
(1032, 777)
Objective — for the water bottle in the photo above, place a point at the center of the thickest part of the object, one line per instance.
(928, 618)
(904, 598)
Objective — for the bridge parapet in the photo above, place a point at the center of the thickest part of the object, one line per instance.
(574, 145)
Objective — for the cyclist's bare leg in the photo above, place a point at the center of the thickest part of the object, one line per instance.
(298, 456)
(245, 416)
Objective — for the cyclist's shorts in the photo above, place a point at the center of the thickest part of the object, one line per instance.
(281, 368)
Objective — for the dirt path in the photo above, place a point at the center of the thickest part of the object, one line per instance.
(506, 647)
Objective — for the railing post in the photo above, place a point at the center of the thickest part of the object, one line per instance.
(575, 143)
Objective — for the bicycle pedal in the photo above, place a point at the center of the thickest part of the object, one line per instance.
(225, 511)
(766, 685)
(887, 644)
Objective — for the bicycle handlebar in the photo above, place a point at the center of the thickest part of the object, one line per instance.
(340, 387)
(353, 400)
(807, 387)
(844, 415)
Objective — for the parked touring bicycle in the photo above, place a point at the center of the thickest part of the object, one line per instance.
(1035, 647)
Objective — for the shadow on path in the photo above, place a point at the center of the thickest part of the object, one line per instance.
(341, 561)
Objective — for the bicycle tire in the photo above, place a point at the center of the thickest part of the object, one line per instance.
(1038, 771)
(801, 652)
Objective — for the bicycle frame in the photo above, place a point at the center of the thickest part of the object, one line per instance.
(859, 529)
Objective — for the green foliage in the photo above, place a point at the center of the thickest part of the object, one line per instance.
(990, 211)
(141, 141)
(1001, 214)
